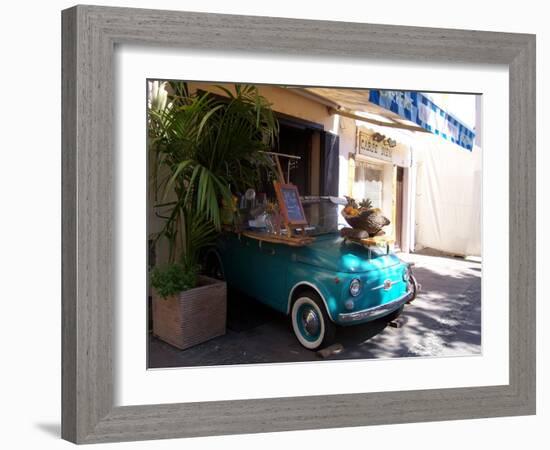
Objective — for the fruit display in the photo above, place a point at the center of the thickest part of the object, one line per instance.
(363, 216)
(353, 209)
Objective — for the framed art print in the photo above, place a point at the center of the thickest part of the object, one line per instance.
(252, 211)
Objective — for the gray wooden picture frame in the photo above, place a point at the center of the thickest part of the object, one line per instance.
(90, 34)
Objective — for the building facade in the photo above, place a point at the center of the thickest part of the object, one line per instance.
(428, 187)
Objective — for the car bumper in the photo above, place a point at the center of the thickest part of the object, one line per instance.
(373, 313)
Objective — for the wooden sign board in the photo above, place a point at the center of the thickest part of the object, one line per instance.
(290, 205)
(367, 146)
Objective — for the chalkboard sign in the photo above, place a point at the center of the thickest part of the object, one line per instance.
(290, 204)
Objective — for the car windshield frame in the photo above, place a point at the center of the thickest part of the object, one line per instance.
(323, 214)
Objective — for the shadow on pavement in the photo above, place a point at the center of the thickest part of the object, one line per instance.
(444, 320)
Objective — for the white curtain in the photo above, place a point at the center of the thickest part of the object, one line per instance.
(368, 183)
(448, 197)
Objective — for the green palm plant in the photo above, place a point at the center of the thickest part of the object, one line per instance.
(204, 147)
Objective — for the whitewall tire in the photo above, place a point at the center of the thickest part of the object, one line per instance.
(310, 322)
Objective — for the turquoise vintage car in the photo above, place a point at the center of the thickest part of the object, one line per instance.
(330, 282)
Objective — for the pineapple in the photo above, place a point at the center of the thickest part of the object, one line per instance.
(365, 204)
(351, 202)
(351, 208)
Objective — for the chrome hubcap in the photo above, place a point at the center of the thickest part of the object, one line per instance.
(311, 322)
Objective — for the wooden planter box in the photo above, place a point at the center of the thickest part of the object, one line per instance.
(193, 316)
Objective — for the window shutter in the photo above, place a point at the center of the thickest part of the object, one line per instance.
(330, 151)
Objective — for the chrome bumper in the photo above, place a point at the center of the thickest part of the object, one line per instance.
(375, 311)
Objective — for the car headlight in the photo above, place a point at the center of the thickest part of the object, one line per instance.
(355, 287)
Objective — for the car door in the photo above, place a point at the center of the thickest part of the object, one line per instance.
(236, 253)
(266, 272)
(256, 268)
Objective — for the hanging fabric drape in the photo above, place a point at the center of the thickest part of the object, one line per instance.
(368, 183)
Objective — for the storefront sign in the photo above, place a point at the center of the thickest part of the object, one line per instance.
(368, 145)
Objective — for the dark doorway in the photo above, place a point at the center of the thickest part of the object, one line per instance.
(316, 172)
(399, 206)
(296, 141)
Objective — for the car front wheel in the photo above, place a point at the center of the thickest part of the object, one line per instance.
(310, 322)
(415, 287)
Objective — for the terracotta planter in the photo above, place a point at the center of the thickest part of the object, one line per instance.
(193, 316)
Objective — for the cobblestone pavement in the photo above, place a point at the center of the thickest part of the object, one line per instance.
(444, 320)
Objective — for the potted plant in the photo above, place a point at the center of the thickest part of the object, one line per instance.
(188, 308)
(203, 148)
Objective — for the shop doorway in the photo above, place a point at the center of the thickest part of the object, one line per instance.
(399, 207)
(317, 171)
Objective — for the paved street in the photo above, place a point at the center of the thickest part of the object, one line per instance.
(444, 320)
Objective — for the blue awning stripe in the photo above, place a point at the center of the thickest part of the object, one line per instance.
(419, 109)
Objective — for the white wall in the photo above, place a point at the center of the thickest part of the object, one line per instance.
(284, 101)
(30, 228)
(347, 131)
